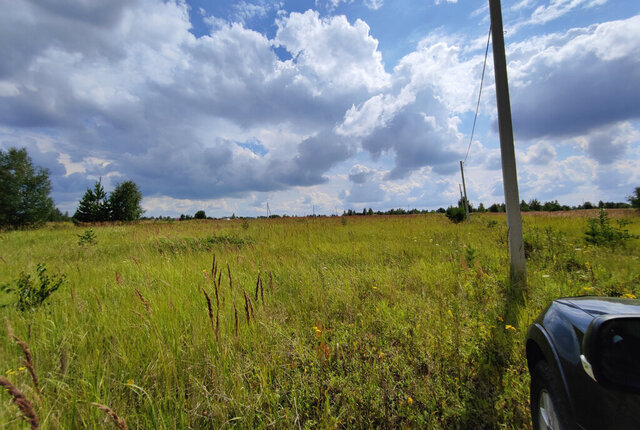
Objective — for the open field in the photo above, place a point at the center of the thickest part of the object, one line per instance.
(386, 322)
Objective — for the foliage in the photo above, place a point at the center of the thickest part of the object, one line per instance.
(87, 238)
(124, 202)
(634, 199)
(31, 294)
(24, 191)
(456, 214)
(94, 205)
(200, 215)
(600, 231)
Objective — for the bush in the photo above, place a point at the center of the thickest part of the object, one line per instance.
(601, 232)
(456, 214)
(32, 294)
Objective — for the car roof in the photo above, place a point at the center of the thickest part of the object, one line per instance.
(602, 305)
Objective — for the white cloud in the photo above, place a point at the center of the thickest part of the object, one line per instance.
(332, 54)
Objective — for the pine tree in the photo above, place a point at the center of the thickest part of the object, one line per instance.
(94, 205)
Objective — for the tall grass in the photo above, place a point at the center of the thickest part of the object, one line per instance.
(380, 322)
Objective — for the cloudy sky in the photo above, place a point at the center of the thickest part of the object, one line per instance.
(319, 105)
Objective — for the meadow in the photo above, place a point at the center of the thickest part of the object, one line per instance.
(355, 322)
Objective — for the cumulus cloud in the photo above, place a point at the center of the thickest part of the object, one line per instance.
(583, 79)
(170, 110)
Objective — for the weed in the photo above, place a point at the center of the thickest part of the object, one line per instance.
(32, 294)
(470, 255)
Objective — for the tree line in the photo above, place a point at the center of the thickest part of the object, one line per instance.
(25, 199)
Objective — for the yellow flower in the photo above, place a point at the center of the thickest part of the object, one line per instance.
(628, 296)
(450, 313)
(410, 401)
(500, 318)
(317, 330)
(510, 327)
(374, 287)
(129, 381)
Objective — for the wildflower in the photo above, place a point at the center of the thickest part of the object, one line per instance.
(628, 296)
(450, 313)
(510, 327)
(500, 318)
(587, 289)
(317, 330)
(374, 287)
(410, 400)
(545, 276)
(129, 381)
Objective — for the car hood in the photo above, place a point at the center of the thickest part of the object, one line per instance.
(596, 306)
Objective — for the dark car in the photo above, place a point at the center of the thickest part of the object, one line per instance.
(583, 355)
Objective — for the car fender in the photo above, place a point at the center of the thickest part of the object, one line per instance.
(537, 337)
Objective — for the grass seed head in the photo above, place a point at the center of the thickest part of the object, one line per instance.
(120, 423)
(25, 406)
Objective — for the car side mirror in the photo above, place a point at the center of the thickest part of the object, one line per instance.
(611, 351)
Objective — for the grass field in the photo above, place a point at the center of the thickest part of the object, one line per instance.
(391, 322)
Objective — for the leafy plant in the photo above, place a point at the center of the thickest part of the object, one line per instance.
(87, 238)
(456, 214)
(33, 293)
(601, 232)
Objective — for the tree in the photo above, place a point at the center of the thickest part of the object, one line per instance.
(200, 215)
(634, 199)
(24, 190)
(94, 205)
(124, 202)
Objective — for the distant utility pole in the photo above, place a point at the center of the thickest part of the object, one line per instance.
(509, 175)
(464, 187)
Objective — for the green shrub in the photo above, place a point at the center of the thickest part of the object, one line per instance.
(601, 232)
(31, 294)
(456, 214)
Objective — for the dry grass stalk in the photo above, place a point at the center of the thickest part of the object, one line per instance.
(270, 282)
(144, 301)
(230, 280)
(257, 286)
(21, 401)
(64, 361)
(28, 362)
(214, 267)
(141, 316)
(246, 307)
(210, 308)
(261, 292)
(9, 328)
(235, 314)
(135, 261)
(121, 423)
(118, 278)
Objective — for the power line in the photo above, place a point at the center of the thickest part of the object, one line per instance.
(473, 129)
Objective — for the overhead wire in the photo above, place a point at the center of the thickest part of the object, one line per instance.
(475, 118)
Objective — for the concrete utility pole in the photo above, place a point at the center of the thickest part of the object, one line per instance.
(509, 174)
(464, 187)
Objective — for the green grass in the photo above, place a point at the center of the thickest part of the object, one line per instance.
(388, 322)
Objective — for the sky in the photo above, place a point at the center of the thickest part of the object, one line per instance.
(320, 106)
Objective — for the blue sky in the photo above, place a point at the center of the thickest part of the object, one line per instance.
(319, 105)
